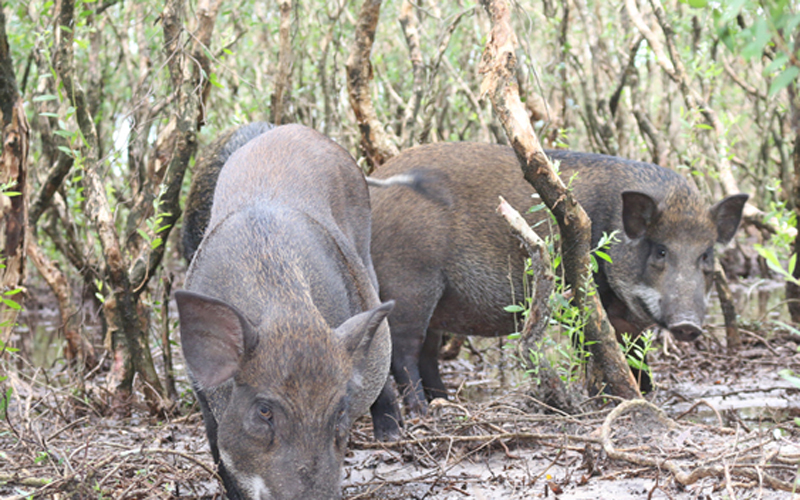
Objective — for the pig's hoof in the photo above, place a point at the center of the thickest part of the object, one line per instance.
(386, 429)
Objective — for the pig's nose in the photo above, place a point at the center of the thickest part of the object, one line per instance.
(685, 331)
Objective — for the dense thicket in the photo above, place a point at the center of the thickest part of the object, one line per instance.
(120, 94)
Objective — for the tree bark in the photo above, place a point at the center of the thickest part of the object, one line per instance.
(410, 25)
(283, 82)
(792, 290)
(608, 369)
(15, 136)
(79, 351)
(376, 142)
(734, 341)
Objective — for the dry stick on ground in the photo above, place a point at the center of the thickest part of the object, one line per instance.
(680, 474)
(608, 369)
(15, 136)
(283, 84)
(376, 142)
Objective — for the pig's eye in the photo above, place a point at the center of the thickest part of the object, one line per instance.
(660, 251)
(707, 256)
(265, 413)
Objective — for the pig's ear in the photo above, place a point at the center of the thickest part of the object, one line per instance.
(213, 335)
(362, 326)
(639, 210)
(727, 214)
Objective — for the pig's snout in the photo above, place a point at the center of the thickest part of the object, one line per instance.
(685, 331)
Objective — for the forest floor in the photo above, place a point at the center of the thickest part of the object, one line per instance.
(718, 426)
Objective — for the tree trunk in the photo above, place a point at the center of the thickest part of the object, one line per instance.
(13, 175)
(734, 341)
(375, 140)
(608, 370)
(792, 290)
(283, 82)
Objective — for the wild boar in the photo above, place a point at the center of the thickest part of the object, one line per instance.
(281, 323)
(452, 265)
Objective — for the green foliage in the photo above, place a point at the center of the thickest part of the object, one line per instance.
(566, 348)
(5, 400)
(771, 21)
(636, 350)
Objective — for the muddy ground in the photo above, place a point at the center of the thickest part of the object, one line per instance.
(718, 426)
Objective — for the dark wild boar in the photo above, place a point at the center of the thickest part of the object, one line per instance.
(451, 264)
(281, 324)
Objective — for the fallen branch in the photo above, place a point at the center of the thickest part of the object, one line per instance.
(681, 475)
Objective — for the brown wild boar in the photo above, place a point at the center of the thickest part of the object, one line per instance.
(452, 265)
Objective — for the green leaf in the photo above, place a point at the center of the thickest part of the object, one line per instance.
(697, 4)
(783, 80)
(603, 255)
(44, 97)
(12, 292)
(49, 115)
(13, 305)
(212, 79)
(761, 37)
(791, 377)
(514, 308)
(777, 63)
(64, 133)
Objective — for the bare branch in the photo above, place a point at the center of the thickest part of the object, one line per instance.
(498, 64)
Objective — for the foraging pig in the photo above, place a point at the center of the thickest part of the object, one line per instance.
(281, 324)
(451, 264)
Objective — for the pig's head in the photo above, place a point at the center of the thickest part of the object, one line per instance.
(282, 393)
(663, 268)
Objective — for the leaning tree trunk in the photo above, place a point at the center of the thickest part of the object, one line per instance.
(608, 370)
(13, 173)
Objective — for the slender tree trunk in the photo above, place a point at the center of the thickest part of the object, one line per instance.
(375, 140)
(283, 82)
(792, 290)
(734, 341)
(609, 370)
(15, 136)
